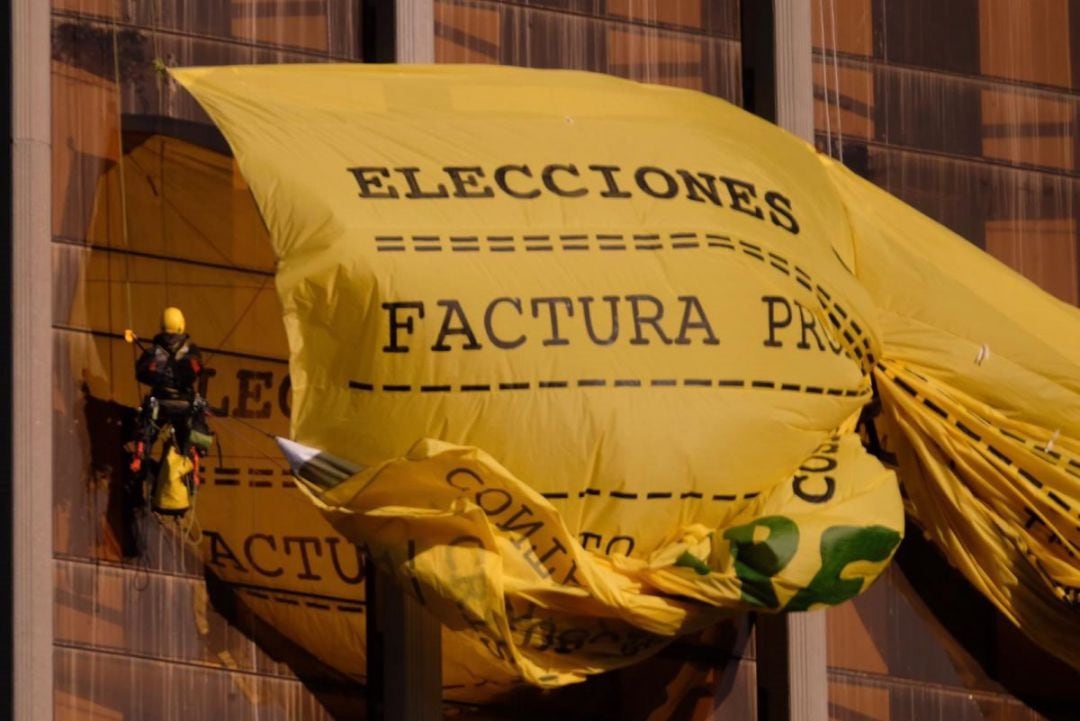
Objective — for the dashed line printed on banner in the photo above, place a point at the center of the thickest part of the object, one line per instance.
(650, 495)
(727, 383)
(857, 343)
(827, 449)
(984, 443)
(1069, 594)
(298, 598)
(256, 477)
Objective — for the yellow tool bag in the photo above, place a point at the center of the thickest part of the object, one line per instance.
(172, 495)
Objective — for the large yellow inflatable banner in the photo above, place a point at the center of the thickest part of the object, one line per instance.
(599, 352)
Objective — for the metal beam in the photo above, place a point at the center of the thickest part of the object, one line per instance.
(30, 368)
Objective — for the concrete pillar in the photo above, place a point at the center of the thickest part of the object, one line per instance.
(415, 31)
(792, 671)
(30, 366)
(793, 682)
(404, 644)
(398, 31)
(794, 80)
(404, 641)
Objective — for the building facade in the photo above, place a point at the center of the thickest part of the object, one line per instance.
(967, 109)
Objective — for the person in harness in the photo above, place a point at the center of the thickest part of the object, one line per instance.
(171, 367)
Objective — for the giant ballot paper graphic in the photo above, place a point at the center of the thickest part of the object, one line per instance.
(601, 349)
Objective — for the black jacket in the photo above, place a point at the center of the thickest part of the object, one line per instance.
(171, 367)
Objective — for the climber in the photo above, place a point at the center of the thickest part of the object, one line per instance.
(171, 367)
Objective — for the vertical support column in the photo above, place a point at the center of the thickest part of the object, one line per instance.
(415, 32)
(794, 80)
(29, 373)
(778, 85)
(404, 653)
(398, 31)
(807, 669)
(412, 639)
(404, 641)
(7, 621)
(793, 682)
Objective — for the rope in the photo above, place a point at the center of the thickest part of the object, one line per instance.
(825, 80)
(836, 81)
(141, 579)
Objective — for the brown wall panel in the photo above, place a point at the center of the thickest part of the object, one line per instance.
(927, 111)
(84, 141)
(843, 100)
(657, 59)
(1026, 41)
(319, 27)
(853, 698)
(299, 23)
(1027, 128)
(952, 192)
(111, 686)
(929, 33)
(87, 44)
(888, 632)
(972, 117)
(850, 701)
(845, 26)
(1043, 250)
(134, 611)
(641, 46)
(467, 33)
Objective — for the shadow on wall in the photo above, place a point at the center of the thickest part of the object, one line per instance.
(985, 648)
(687, 680)
(109, 426)
(342, 697)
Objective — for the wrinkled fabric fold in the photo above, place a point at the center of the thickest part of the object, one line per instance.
(604, 351)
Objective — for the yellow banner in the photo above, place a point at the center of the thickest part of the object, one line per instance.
(600, 345)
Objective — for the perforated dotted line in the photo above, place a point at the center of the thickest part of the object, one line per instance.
(610, 383)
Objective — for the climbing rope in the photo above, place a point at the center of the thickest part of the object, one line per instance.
(124, 233)
(836, 83)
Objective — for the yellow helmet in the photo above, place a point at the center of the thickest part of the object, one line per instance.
(172, 320)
